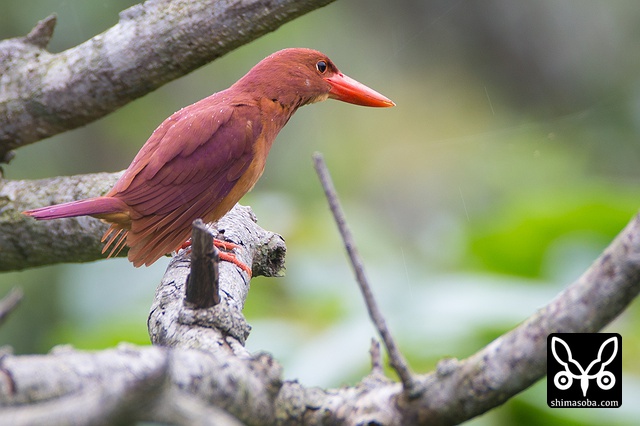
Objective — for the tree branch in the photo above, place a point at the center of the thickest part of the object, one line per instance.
(206, 364)
(120, 386)
(194, 376)
(27, 243)
(43, 94)
(516, 360)
(396, 359)
(461, 389)
(171, 321)
(202, 282)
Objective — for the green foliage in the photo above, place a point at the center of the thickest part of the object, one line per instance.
(519, 237)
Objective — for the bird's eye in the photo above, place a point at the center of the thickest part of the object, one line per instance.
(321, 66)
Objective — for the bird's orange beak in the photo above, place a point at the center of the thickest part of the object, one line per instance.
(346, 89)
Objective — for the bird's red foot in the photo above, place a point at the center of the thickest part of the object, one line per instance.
(231, 257)
(225, 245)
(224, 248)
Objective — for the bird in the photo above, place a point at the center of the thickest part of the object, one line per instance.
(202, 159)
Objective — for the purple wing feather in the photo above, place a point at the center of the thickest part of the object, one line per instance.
(181, 175)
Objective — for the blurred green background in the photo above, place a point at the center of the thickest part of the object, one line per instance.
(509, 163)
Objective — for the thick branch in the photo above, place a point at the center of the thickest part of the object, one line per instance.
(27, 243)
(120, 386)
(171, 322)
(516, 360)
(42, 94)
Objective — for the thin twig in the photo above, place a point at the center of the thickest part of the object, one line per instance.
(202, 283)
(396, 359)
(10, 302)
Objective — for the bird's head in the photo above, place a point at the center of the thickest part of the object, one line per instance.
(299, 76)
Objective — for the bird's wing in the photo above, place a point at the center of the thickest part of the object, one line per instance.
(196, 144)
(184, 171)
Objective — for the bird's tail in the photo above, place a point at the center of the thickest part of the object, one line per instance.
(99, 206)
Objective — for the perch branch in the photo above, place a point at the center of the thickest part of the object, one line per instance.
(202, 282)
(396, 359)
(155, 42)
(172, 323)
(192, 382)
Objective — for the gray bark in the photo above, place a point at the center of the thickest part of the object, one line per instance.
(28, 243)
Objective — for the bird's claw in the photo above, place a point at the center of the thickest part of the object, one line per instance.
(225, 245)
(224, 248)
(231, 257)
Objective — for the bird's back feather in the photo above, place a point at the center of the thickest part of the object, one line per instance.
(189, 168)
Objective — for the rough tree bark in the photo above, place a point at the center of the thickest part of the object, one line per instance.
(28, 243)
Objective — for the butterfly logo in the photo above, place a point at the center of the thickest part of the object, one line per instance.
(564, 379)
